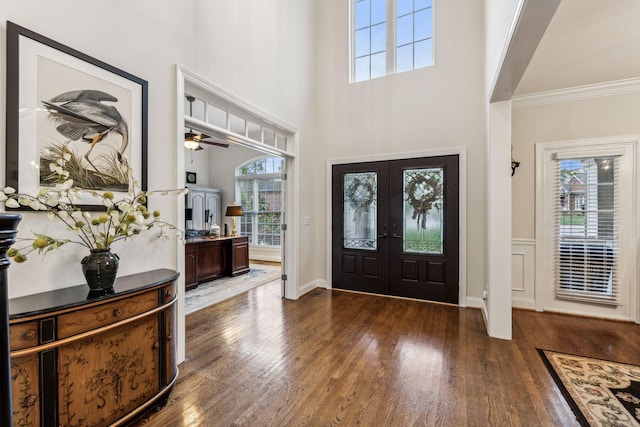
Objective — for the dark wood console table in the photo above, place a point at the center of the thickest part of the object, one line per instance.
(94, 361)
(209, 258)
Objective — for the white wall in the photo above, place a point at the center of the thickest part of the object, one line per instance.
(499, 17)
(260, 50)
(215, 168)
(223, 163)
(430, 108)
(599, 117)
(198, 163)
(591, 118)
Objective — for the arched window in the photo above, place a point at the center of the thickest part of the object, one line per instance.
(258, 187)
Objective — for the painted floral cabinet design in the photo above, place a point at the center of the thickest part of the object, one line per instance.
(102, 361)
(25, 391)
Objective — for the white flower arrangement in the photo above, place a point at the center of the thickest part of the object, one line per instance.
(123, 219)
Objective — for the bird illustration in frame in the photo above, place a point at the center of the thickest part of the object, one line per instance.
(85, 115)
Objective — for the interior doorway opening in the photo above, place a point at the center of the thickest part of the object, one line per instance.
(231, 123)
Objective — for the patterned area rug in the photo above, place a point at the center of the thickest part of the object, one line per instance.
(600, 392)
(219, 290)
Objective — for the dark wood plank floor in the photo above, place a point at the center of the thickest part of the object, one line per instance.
(339, 358)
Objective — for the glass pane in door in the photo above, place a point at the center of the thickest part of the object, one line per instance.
(423, 214)
(586, 227)
(360, 210)
(269, 211)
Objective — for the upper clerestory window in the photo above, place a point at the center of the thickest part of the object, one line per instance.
(390, 36)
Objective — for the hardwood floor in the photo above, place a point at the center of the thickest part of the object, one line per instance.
(339, 358)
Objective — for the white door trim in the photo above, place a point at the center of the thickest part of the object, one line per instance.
(544, 224)
(290, 267)
(461, 152)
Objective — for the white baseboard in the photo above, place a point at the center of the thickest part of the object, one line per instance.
(308, 287)
(260, 253)
(472, 302)
(475, 302)
(526, 303)
(485, 315)
(581, 313)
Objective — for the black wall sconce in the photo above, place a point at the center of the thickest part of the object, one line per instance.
(514, 165)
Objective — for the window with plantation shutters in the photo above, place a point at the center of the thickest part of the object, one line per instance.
(586, 229)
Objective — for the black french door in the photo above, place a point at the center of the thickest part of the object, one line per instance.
(395, 228)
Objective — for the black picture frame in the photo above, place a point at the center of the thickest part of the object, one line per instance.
(32, 113)
(191, 178)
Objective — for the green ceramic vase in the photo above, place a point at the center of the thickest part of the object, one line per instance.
(100, 268)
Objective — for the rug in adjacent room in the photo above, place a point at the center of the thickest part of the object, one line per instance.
(221, 289)
(600, 392)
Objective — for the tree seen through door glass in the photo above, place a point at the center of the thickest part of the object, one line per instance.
(360, 212)
(423, 216)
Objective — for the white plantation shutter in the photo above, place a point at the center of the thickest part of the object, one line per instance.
(586, 229)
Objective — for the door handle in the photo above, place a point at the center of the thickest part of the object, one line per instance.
(395, 236)
(383, 236)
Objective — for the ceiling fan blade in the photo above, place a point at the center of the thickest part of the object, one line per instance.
(193, 136)
(219, 144)
(203, 136)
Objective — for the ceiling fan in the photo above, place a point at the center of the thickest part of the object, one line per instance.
(192, 140)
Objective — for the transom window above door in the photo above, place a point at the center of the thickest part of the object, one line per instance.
(390, 36)
(232, 119)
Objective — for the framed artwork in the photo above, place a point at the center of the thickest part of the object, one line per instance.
(69, 109)
(191, 178)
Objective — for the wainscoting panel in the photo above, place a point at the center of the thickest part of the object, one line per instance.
(523, 267)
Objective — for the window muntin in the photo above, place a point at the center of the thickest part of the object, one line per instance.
(237, 124)
(370, 39)
(391, 36)
(254, 131)
(269, 137)
(414, 34)
(281, 142)
(216, 116)
(259, 184)
(269, 212)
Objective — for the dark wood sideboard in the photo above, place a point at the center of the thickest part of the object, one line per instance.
(208, 258)
(94, 361)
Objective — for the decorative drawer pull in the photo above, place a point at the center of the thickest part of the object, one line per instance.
(29, 335)
(169, 337)
(155, 345)
(167, 293)
(30, 400)
(118, 312)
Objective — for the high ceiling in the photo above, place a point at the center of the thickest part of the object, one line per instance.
(587, 42)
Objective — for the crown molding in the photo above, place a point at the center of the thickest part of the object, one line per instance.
(577, 93)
